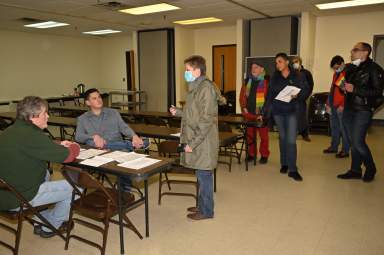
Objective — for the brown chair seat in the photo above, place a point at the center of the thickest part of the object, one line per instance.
(94, 205)
(95, 202)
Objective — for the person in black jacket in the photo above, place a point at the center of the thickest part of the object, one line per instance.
(284, 113)
(364, 89)
(302, 116)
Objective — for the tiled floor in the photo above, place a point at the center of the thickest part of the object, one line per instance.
(259, 212)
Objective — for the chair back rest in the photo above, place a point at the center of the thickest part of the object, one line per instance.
(224, 127)
(78, 178)
(156, 121)
(168, 148)
(5, 186)
(174, 122)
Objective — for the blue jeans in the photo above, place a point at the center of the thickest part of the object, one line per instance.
(205, 201)
(124, 145)
(338, 129)
(58, 192)
(287, 127)
(357, 124)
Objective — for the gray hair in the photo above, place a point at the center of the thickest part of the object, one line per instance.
(29, 107)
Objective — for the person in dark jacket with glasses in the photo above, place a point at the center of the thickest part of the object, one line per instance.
(364, 93)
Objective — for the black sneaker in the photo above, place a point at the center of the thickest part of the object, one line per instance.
(342, 154)
(284, 169)
(46, 234)
(37, 229)
(263, 160)
(369, 175)
(349, 175)
(296, 176)
(329, 151)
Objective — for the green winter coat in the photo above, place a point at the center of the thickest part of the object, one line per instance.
(199, 127)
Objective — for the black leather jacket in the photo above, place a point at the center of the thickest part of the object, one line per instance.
(368, 81)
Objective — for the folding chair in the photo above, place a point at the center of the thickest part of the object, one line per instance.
(99, 204)
(26, 212)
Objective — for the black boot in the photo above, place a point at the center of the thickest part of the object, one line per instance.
(284, 169)
(296, 176)
(349, 175)
(369, 175)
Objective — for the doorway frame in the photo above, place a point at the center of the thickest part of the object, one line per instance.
(376, 38)
(213, 56)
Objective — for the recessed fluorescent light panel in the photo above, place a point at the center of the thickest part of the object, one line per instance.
(197, 21)
(102, 32)
(150, 9)
(47, 24)
(344, 4)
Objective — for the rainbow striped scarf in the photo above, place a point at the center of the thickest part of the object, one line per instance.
(340, 80)
(260, 95)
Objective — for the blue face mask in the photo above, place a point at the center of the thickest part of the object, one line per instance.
(188, 76)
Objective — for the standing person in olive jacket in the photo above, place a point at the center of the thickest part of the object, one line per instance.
(199, 133)
(25, 150)
(364, 87)
(302, 115)
(284, 113)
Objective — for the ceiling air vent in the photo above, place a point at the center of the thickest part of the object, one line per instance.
(112, 5)
(28, 20)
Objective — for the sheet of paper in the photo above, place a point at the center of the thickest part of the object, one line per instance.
(96, 161)
(121, 156)
(176, 134)
(139, 163)
(286, 94)
(89, 153)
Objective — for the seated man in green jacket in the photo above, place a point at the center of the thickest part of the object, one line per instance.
(25, 150)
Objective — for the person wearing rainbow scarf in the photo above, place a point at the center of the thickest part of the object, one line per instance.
(335, 107)
(252, 98)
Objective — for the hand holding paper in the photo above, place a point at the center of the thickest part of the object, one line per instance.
(288, 93)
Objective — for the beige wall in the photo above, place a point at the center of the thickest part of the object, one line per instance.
(184, 47)
(49, 65)
(307, 39)
(112, 62)
(206, 38)
(45, 65)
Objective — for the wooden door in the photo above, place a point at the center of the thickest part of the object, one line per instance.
(224, 67)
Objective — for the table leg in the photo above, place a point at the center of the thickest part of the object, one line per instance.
(246, 146)
(254, 145)
(62, 134)
(121, 212)
(146, 208)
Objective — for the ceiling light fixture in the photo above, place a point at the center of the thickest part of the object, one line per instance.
(344, 4)
(102, 32)
(197, 21)
(47, 24)
(150, 9)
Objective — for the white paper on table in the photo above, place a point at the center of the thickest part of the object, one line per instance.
(96, 161)
(286, 94)
(89, 153)
(139, 163)
(122, 156)
(176, 134)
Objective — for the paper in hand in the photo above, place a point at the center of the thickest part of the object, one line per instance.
(286, 94)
